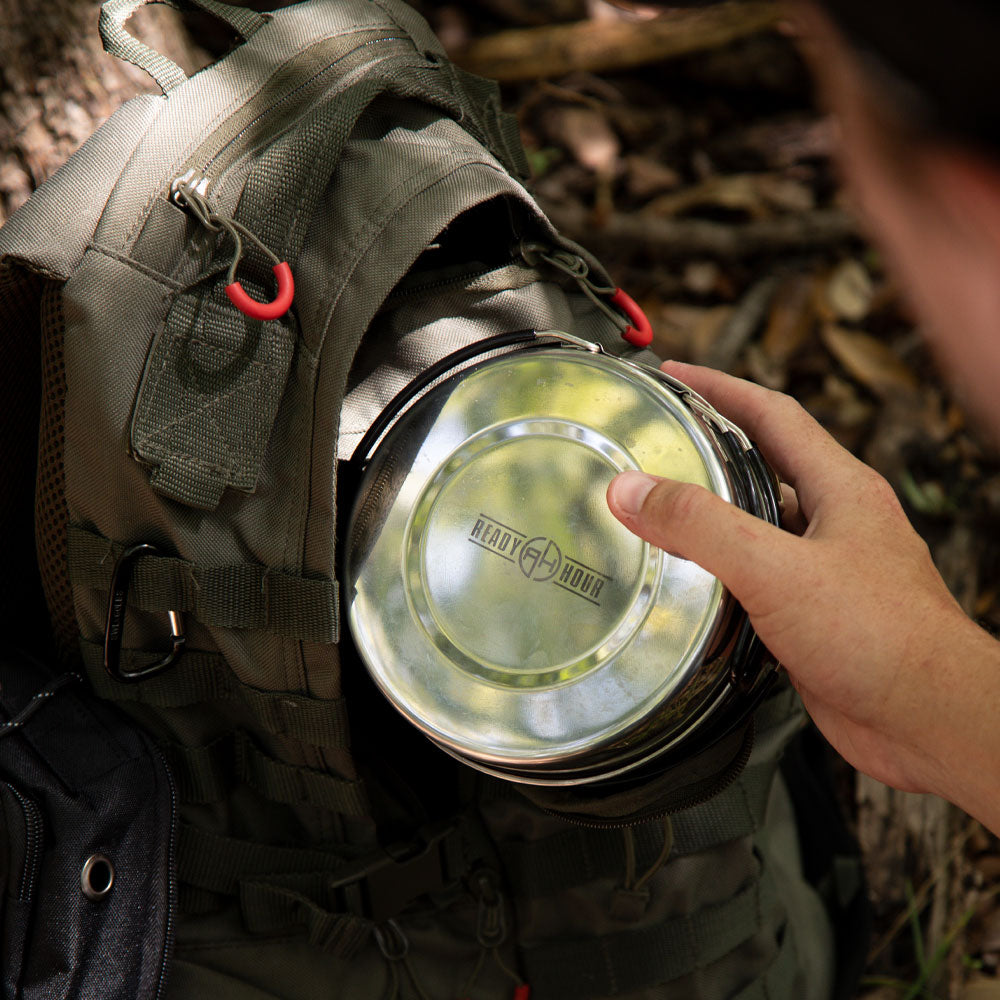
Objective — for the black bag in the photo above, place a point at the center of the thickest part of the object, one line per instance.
(87, 822)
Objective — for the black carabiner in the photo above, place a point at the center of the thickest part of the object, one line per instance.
(115, 627)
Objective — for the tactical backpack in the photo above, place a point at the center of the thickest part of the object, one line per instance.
(188, 516)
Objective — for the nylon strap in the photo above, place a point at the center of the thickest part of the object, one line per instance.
(118, 42)
(288, 179)
(241, 596)
(269, 909)
(217, 864)
(200, 677)
(779, 980)
(209, 773)
(497, 130)
(561, 861)
(378, 883)
(628, 961)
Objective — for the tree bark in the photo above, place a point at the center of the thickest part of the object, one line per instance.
(57, 85)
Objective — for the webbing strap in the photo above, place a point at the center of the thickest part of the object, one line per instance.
(374, 882)
(217, 864)
(561, 861)
(270, 909)
(779, 980)
(632, 960)
(496, 129)
(242, 596)
(209, 773)
(289, 177)
(199, 677)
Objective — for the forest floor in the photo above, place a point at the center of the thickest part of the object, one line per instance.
(691, 159)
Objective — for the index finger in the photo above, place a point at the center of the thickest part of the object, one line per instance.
(798, 448)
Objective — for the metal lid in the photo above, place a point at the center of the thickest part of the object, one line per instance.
(491, 593)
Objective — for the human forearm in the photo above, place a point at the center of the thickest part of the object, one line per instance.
(898, 679)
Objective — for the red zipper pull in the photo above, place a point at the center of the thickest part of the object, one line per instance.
(640, 332)
(522, 992)
(265, 310)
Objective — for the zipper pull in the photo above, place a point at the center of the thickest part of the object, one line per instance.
(491, 925)
(638, 331)
(189, 192)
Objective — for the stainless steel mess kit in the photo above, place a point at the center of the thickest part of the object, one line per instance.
(502, 608)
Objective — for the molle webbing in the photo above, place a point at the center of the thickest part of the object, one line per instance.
(778, 980)
(337, 895)
(640, 957)
(577, 854)
(199, 678)
(244, 596)
(210, 773)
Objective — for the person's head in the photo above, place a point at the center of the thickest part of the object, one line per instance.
(913, 87)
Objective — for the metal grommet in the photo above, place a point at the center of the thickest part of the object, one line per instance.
(97, 877)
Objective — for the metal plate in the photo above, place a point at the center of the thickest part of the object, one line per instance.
(491, 593)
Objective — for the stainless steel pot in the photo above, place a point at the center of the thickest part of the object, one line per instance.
(501, 607)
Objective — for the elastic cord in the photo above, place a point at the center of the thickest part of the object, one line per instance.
(215, 222)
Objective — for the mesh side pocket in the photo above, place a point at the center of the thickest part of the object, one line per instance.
(22, 608)
(51, 512)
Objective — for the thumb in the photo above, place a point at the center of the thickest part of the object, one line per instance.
(749, 555)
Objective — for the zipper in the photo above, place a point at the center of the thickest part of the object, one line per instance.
(34, 830)
(223, 148)
(417, 288)
(168, 934)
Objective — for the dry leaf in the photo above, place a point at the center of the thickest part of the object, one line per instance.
(756, 194)
(701, 276)
(694, 329)
(763, 370)
(785, 194)
(871, 363)
(850, 292)
(646, 177)
(585, 132)
(786, 141)
(736, 192)
(792, 318)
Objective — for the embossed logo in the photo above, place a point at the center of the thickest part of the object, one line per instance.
(539, 558)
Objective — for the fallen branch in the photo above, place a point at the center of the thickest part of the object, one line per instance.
(680, 238)
(602, 46)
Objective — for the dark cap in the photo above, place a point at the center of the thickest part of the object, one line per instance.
(945, 55)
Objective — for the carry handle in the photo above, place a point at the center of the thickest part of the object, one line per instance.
(167, 74)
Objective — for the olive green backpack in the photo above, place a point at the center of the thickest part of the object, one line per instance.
(188, 516)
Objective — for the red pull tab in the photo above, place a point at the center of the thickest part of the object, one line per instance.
(265, 310)
(640, 333)
(522, 992)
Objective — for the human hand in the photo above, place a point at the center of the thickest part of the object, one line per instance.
(887, 664)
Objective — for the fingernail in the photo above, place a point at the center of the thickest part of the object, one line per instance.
(630, 489)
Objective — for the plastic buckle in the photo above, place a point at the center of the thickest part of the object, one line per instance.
(401, 874)
(114, 629)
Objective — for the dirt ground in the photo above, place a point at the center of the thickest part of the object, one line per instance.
(691, 158)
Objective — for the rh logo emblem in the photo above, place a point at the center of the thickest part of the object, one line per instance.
(539, 559)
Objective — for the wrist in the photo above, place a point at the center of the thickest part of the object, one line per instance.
(957, 747)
